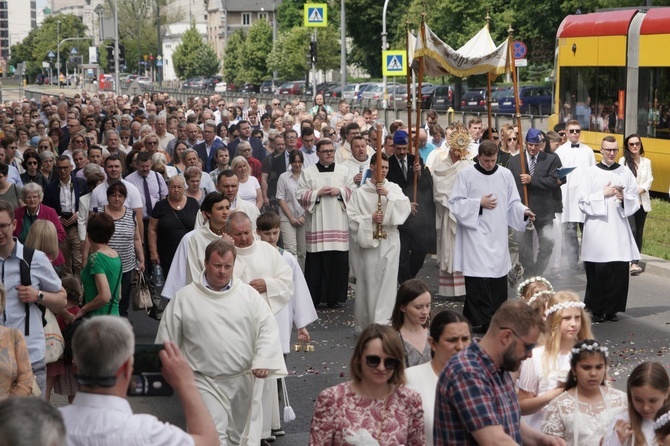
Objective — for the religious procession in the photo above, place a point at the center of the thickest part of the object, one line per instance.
(239, 227)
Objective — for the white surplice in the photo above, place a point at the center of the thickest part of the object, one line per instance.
(481, 238)
(581, 158)
(376, 280)
(223, 336)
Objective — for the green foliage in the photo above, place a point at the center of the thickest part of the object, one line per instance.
(34, 49)
(289, 57)
(256, 46)
(233, 59)
(290, 15)
(193, 57)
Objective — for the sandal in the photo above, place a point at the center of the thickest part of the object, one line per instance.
(635, 269)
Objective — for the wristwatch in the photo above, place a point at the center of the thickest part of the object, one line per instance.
(40, 296)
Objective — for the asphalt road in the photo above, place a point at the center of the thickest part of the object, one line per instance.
(642, 334)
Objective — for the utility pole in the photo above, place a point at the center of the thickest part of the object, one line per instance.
(159, 78)
(343, 48)
(116, 47)
(57, 54)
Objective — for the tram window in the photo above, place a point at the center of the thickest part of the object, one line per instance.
(590, 95)
(653, 118)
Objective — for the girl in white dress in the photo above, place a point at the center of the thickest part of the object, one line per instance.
(647, 390)
(582, 414)
(662, 425)
(543, 376)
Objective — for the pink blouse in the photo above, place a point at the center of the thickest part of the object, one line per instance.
(397, 420)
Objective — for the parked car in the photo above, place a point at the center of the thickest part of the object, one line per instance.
(249, 88)
(213, 81)
(144, 81)
(333, 92)
(372, 91)
(323, 86)
(269, 86)
(221, 87)
(474, 100)
(351, 91)
(497, 95)
(533, 100)
(443, 97)
(363, 87)
(292, 87)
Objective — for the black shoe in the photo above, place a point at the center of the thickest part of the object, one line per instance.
(334, 305)
(278, 432)
(598, 318)
(611, 317)
(264, 443)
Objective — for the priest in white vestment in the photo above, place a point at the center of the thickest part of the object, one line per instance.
(608, 197)
(228, 334)
(324, 190)
(378, 259)
(190, 254)
(485, 201)
(452, 283)
(580, 156)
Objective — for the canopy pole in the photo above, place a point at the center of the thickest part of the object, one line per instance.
(418, 107)
(488, 104)
(410, 100)
(379, 229)
(519, 140)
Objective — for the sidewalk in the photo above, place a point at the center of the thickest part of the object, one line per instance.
(655, 266)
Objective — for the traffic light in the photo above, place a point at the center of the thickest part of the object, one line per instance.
(122, 55)
(110, 56)
(312, 51)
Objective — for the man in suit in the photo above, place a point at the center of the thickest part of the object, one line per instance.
(207, 148)
(257, 149)
(417, 234)
(63, 196)
(541, 180)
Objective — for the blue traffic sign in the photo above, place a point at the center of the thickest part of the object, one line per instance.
(51, 54)
(519, 49)
(73, 51)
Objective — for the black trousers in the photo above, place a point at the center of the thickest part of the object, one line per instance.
(636, 222)
(412, 256)
(606, 287)
(483, 297)
(327, 276)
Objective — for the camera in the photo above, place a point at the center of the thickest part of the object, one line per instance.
(147, 379)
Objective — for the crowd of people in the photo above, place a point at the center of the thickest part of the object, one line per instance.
(258, 215)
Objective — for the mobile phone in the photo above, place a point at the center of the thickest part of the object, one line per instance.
(147, 379)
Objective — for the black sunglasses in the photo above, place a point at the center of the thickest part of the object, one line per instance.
(374, 360)
(575, 131)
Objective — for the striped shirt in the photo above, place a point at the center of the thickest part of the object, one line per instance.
(123, 240)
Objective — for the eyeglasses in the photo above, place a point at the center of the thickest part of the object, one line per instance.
(634, 144)
(615, 150)
(575, 131)
(151, 143)
(373, 361)
(79, 141)
(528, 347)
(496, 138)
(275, 103)
(561, 134)
(124, 137)
(45, 147)
(32, 163)
(327, 152)
(512, 139)
(63, 167)
(5, 226)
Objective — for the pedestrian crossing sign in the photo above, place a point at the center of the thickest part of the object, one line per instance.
(394, 63)
(316, 14)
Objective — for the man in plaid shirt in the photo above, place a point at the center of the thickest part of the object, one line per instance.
(476, 401)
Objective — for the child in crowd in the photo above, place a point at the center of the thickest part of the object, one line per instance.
(582, 414)
(647, 390)
(662, 425)
(536, 291)
(543, 376)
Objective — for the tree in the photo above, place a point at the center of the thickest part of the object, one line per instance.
(193, 57)
(233, 60)
(289, 57)
(255, 52)
(290, 15)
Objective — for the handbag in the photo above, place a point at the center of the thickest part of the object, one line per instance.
(53, 338)
(142, 294)
(155, 310)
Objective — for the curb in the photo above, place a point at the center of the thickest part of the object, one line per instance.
(655, 266)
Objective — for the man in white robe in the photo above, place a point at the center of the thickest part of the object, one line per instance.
(188, 259)
(485, 202)
(324, 190)
(218, 307)
(452, 283)
(378, 259)
(581, 157)
(608, 197)
(228, 185)
(261, 266)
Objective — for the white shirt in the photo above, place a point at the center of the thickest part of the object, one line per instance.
(101, 420)
(99, 196)
(67, 196)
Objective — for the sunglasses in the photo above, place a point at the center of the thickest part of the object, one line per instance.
(511, 139)
(373, 361)
(528, 347)
(634, 144)
(151, 143)
(561, 134)
(32, 163)
(45, 147)
(575, 131)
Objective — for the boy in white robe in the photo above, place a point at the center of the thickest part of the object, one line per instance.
(608, 197)
(378, 259)
(299, 311)
(485, 201)
(218, 307)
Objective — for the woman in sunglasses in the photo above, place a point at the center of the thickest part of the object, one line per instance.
(32, 164)
(374, 403)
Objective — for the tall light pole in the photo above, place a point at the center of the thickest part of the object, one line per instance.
(343, 48)
(274, 39)
(116, 47)
(57, 54)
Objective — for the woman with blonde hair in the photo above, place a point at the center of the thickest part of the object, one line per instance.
(510, 142)
(16, 374)
(567, 323)
(249, 189)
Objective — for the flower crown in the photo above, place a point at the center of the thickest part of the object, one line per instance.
(530, 280)
(562, 306)
(662, 420)
(535, 296)
(595, 347)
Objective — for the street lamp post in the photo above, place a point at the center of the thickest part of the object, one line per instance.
(116, 47)
(57, 54)
(274, 39)
(343, 48)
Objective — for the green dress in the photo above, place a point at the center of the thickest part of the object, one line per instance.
(99, 263)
